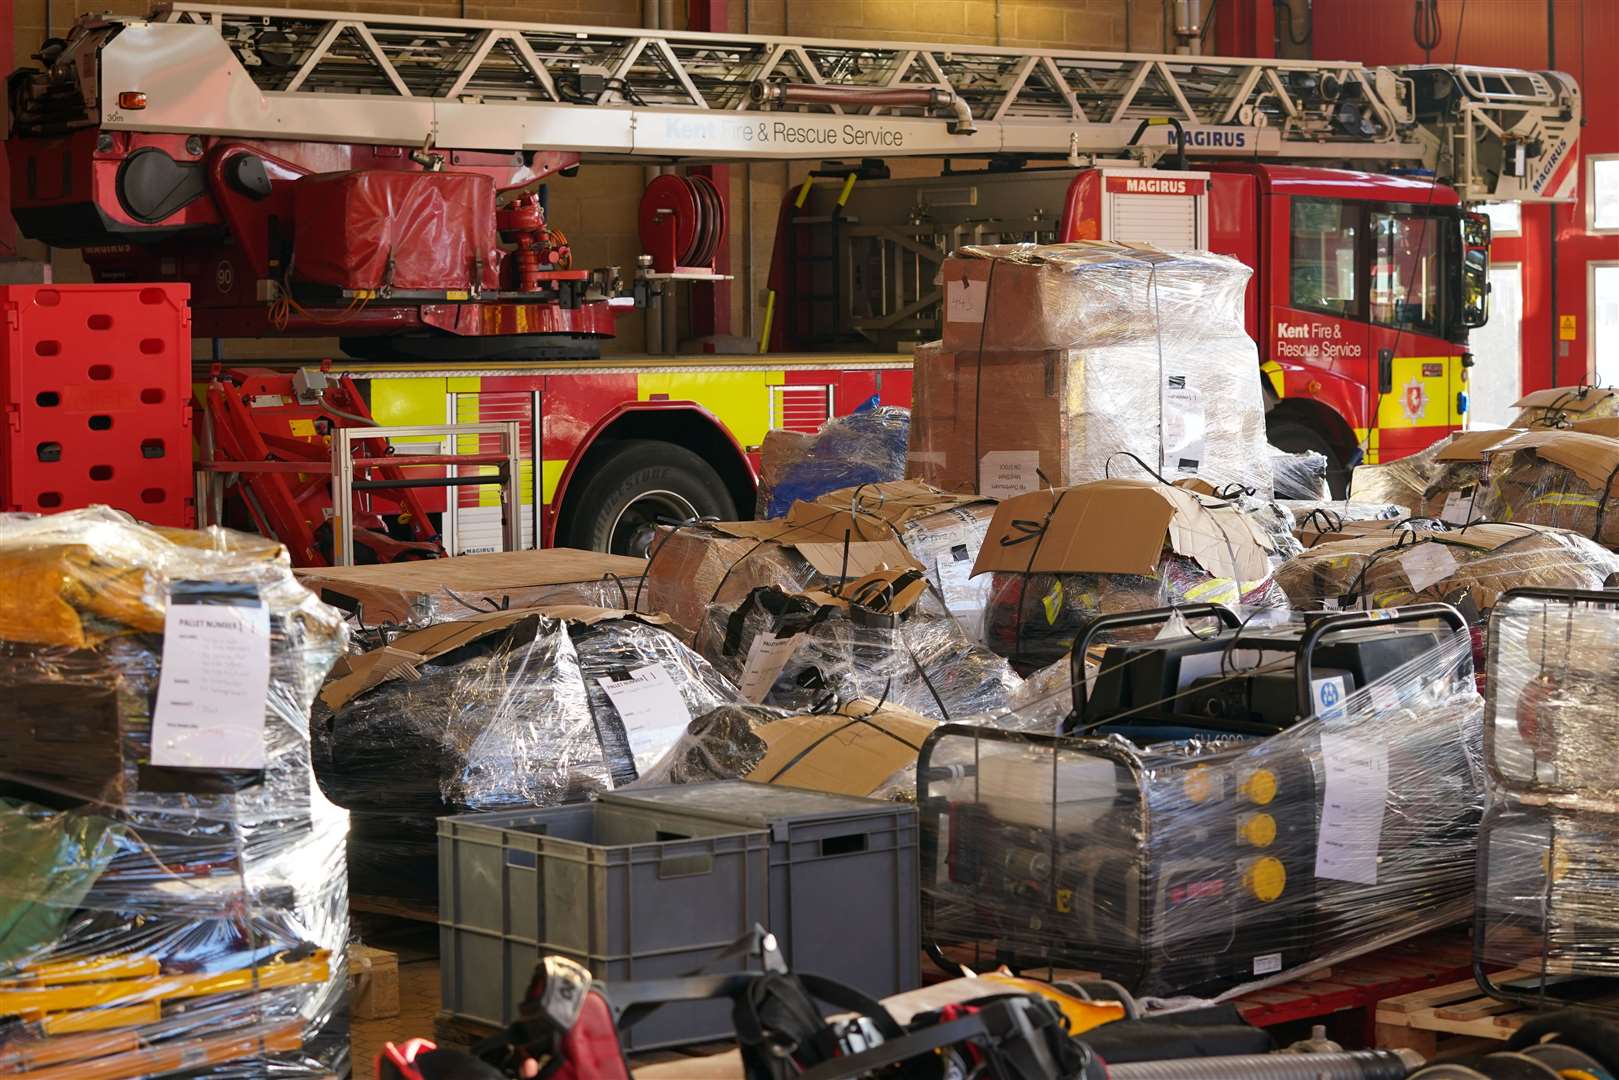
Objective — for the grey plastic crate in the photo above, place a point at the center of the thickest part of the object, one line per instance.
(844, 880)
(624, 895)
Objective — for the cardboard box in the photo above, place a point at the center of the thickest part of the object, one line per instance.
(1558, 406)
(354, 675)
(373, 983)
(1565, 479)
(692, 567)
(1122, 527)
(852, 751)
(1451, 494)
(1468, 567)
(430, 590)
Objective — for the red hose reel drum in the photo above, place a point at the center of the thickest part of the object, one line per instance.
(682, 222)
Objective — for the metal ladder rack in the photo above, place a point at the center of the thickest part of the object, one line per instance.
(615, 93)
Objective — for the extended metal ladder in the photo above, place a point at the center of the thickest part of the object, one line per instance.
(612, 93)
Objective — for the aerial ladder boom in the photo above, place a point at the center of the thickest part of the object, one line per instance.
(668, 96)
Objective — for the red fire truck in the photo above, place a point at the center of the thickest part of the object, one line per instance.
(289, 164)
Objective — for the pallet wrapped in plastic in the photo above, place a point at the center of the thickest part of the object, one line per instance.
(1563, 406)
(1056, 358)
(1566, 479)
(691, 567)
(1471, 567)
(507, 710)
(793, 650)
(1402, 482)
(1545, 927)
(172, 892)
(1316, 521)
(1054, 567)
(1208, 867)
(866, 446)
(386, 599)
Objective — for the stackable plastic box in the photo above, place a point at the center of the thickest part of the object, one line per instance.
(653, 883)
(601, 885)
(98, 399)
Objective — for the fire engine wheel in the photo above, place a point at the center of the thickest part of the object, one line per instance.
(641, 484)
(1296, 438)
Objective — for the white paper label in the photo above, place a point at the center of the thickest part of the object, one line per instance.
(766, 657)
(650, 706)
(1005, 474)
(965, 300)
(1427, 564)
(1269, 964)
(962, 595)
(1329, 693)
(1352, 809)
(212, 693)
(1183, 426)
(1458, 508)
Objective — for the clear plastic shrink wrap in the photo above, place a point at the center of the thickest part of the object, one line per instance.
(1299, 476)
(843, 534)
(160, 918)
(1057, 358)
(1565, 479)
(1207, 866)
(793, 650)
(1054, 568)
(386, 599)
(503, 711)
(866, 446)
(1477, 562)
(1315, 522)
(1545, 928)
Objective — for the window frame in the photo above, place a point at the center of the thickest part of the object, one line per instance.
(1591, 269)
(1443, 255)
(1591, 227)
(1495, 233)
(1358, 311)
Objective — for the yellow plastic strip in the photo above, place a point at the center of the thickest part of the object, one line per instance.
(848, 186)
(92, 995)
(770, 317)
(92, 969)
(803, 192)
(122, 1016)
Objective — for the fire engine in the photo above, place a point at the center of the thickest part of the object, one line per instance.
(381, 179)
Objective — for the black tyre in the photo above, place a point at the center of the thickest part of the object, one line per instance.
(1296, 438)
(642, 483)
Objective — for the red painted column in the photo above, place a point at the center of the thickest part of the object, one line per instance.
(711, 301)
(1245, 28)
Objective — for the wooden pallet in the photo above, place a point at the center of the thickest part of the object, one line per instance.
(393, 908)
(1449, 1017)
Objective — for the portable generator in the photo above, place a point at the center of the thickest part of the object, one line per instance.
(1239, 681)
(1193, 865)
(1545, 929)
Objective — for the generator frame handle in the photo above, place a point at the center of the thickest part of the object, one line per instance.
(1303, 667)
(1125, 620)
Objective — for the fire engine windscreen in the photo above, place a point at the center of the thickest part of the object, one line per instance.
(1209, 867)
(172, 891)
(1059, 360)
(1548, 873)
(407, 231)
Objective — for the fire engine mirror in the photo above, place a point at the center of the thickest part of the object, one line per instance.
(1475, 270)
(246, 174)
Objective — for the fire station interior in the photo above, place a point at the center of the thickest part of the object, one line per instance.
(820, 539)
